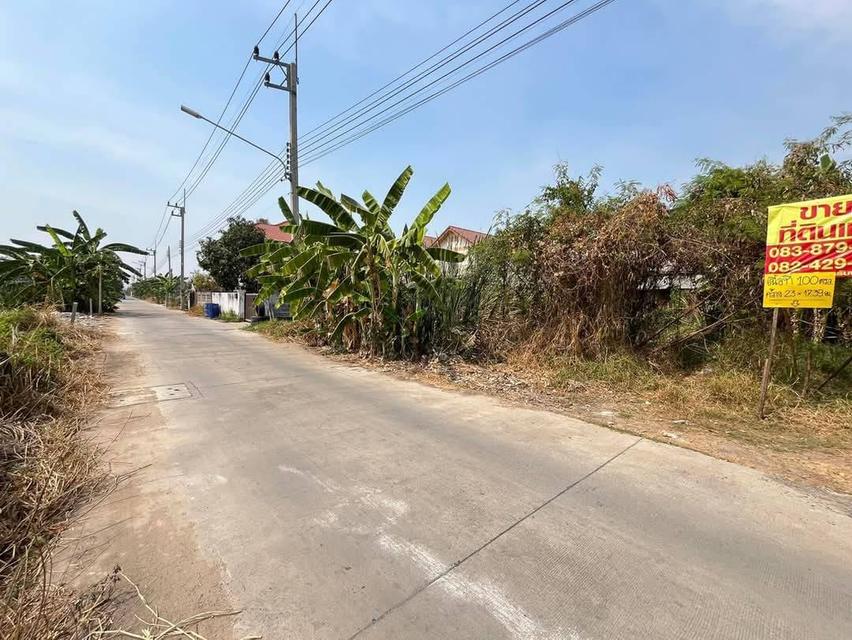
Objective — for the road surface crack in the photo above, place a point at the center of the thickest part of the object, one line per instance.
(490, 541)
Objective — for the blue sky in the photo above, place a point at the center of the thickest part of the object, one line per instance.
(90, 94)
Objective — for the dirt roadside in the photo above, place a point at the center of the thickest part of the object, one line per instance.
(141, 525)
(788, 458)
(826, 470)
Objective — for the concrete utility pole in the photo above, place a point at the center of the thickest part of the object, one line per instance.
(289, 85)
(154, 252)
(181, 213)
(169, 259)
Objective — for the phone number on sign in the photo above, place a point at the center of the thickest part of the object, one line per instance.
(809, 256)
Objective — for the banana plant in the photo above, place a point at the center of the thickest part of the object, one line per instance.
(355, 273)
(75, 266)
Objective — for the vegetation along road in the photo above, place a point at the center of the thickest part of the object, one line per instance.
(329, 501)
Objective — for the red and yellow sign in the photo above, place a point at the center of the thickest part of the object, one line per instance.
(810, 237)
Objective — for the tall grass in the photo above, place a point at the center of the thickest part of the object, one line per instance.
(47, 468)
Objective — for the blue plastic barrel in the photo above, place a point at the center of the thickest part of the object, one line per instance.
(208, 309)
(214, 310)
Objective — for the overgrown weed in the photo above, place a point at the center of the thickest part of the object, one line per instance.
(48, 468)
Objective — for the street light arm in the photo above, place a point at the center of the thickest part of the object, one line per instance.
(195, 114)
(189, 112)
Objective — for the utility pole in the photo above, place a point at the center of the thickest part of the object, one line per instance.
(154, 251)
(289, 85)
(169, 259)
(181, 213)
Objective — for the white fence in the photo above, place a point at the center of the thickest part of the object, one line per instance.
(230, 302)
(242, 304)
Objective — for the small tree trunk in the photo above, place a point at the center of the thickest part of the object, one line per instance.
(820, 317)
(807, 380)
(375, 303)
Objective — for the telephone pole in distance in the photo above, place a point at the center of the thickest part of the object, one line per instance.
(154, 252)
(181, 213)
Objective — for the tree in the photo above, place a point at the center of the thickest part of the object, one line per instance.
(202, 281)
(355, 274)
(162, 288)
(222, 259)
(76, 267)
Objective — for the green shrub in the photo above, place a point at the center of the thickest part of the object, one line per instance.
(36, 361)
(229, 316)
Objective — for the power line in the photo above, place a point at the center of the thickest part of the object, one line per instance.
(228, 102)
(272, 24)
(227, 213)
(370, 127)
(319, 143)
(212, 224)
(261, 186)
(260, 182)
(212, 133)
(158, 237)
(253, 93)
(160, 226)
(561, 26)
(417, 66)
(312, 140)
(263, 177)
(215, 155)
(168, 222)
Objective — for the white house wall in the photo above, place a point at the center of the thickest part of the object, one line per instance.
(230, 301)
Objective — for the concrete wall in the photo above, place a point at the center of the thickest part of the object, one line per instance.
(230, 302)
(201, 297)
(453, 242)
(241, 303)
(281, 312)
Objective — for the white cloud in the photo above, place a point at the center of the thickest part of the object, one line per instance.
(829, 18)
(113, 145)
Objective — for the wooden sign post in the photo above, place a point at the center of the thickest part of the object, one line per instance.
(767, 366)
(808, 245)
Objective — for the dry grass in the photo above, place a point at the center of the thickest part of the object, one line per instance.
(719, 401)
(302, 331)
(49, 469)
(805, 441)
(41, 370)
(155, 626)
(48, 379)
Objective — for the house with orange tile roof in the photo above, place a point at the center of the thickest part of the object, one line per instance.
(456, 239)
(273, 231)
(453, 237)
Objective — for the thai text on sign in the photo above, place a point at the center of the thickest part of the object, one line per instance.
(812, 236)
(799, 290)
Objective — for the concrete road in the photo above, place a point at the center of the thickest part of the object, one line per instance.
(336, 502)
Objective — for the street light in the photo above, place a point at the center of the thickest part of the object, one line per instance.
(195, 114)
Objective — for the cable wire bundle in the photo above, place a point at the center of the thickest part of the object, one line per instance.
(493, 41)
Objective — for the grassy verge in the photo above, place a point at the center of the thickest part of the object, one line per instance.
(723, 401)
(49, 470)
(286, 331)
(226, 316)
(806, 437)
(48, 379)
